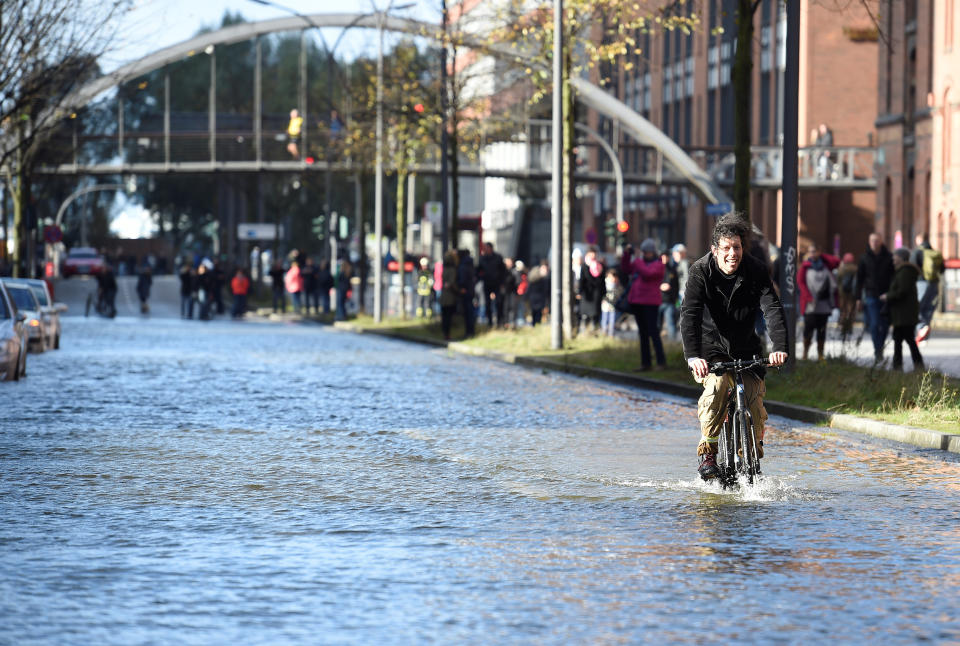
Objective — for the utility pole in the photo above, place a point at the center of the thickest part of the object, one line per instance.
(444, 137)
(556, 286)
(788, 223)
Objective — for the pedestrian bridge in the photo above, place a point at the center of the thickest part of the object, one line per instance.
(162, 140)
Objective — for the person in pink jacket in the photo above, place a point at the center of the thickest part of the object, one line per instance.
(645, 275)
(293, 281)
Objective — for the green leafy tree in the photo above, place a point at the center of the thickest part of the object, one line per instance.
(596, 31)
(47, 48)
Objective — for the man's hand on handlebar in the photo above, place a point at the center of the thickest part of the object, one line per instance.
(699, 367)
(778, 358)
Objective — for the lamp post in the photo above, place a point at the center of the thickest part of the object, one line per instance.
(556, 287)
(378, 183)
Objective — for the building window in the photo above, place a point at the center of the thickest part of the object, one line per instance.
(647, 84)
(667, 83)
(948, 19)
(688, 80)
(947, 134)
(713, 67)
(782, 39)
(766, 59)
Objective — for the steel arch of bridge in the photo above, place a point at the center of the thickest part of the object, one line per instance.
(589, 94)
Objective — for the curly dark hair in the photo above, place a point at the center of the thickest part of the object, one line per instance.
(732, 225)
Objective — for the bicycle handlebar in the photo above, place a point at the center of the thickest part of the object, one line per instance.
(738, 365)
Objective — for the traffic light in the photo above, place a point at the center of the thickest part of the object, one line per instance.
(319, 226)
(623, 226)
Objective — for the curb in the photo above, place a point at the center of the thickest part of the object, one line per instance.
(921, 437)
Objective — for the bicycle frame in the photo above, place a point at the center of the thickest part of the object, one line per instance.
(737, 451)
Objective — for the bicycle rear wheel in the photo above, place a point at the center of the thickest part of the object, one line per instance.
(747, 447)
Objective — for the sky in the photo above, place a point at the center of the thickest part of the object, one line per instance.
(155, 24)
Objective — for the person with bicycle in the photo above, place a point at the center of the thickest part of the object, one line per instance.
(725, 290)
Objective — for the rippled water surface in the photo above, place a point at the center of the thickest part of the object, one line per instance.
(169, 481)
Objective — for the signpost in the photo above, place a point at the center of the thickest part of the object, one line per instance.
(259, 231)
(720, 208)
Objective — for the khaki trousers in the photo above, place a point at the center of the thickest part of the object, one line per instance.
(712, 408)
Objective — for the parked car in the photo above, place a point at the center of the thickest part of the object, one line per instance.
(27, 304)
(13, 338)
(82, 261)
(50, 311)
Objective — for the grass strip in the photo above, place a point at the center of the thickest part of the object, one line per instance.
(928, 400)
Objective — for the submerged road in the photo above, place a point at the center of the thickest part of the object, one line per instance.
(176, 481)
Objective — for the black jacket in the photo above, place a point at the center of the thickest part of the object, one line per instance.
(717, 330)
(874, 272)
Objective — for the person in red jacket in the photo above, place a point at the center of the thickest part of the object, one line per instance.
(818, 292)
(240, 286)
(646, 274)
(293, 281)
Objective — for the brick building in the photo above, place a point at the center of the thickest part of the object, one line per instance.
(682, 83)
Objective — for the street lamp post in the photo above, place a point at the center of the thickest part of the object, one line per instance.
(378, 183)
(556, 287)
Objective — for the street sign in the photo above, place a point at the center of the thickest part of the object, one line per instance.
(433, 212)
(52, 233)
(259, 231)
(721, 208)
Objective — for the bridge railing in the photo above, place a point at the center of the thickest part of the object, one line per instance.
(838, 167)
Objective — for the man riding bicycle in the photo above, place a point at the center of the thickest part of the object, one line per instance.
(725, 289)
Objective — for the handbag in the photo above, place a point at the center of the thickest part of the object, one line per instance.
(623, 303)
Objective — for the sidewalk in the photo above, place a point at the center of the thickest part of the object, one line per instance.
(924, 438)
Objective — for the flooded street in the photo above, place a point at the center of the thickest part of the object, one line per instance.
(168, 481)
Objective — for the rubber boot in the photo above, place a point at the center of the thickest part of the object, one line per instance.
(806, 349)
(820, 354)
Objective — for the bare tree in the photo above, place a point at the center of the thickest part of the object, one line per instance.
(47, 49)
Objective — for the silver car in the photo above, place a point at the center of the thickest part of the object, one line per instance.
(13, 339)
(27, 304)
(50, 312)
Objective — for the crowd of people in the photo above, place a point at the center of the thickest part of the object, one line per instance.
(303, 283)
(896, 293)
(506, 293)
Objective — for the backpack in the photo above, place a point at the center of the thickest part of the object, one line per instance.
(932, 265)
(849, 282)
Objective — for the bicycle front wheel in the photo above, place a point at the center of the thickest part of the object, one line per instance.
(747, 446)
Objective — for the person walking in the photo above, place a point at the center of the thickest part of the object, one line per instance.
(930, 263)
(449, 292)
(467, 284)
(539, 291)
(874, 273)
(240, 287)
(846, 296)
(144, 284)
(204, 290)
(818, 289)
(904, 309)
(324, 285)
(509, 291)
(276, 280)
(670, 294)
(491, 271)
(645, 299)
(293, 281)
(608, 307)
(424, 290)
(310, 283)
(187, 291)
(592, 289)
(344, 276)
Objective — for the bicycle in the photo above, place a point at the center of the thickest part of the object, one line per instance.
(737, 432)
(98, 302)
